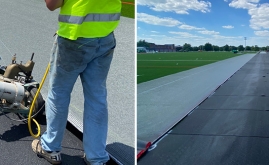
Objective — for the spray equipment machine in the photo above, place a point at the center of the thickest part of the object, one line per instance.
(18, 89)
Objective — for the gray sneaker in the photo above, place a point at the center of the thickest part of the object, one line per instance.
(88, 163)
(52, 157)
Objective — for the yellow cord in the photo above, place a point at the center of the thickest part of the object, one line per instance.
(32, 107)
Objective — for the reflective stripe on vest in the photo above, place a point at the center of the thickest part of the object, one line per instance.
(89, 18)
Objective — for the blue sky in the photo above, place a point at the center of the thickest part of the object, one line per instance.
(218, 22)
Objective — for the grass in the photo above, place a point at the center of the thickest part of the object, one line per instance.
(128, 8)
(155, 65)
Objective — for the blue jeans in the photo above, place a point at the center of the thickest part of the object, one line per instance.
(90, 59)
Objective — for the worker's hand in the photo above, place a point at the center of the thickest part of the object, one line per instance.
(54, 4)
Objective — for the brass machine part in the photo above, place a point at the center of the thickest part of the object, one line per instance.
(13, 60)
(13, 69)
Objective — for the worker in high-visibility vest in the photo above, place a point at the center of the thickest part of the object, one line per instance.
(83, 47)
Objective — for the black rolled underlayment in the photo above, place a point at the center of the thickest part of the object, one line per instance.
(121, 153)
(230, 127)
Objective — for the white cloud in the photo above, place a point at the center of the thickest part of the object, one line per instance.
(154, 35)
(208, 32)
(258, 12)
(264, 33)
(184, 34)
(177, 6)
(153, 20)
(188, 27)
(145, 38)
(220, 37)
(259, 17)
(154, 32)
(178, 39)
(244, 4)
(228, 27)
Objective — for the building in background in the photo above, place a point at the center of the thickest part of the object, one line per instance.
(162, 48)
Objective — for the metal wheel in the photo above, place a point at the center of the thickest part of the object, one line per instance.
(39, 104)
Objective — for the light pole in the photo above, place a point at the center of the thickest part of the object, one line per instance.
(245, 42)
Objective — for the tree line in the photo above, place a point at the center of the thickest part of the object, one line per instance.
(208, 47)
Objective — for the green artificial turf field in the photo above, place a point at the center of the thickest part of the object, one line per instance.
(154, 65)
(128, 8)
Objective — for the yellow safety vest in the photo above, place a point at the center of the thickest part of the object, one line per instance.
(88, 18)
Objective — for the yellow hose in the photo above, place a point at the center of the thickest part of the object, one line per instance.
(32, 107)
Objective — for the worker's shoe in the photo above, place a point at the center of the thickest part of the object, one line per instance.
(52, 157)
(88, 163)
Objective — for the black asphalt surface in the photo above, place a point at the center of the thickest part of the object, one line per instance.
(229, 127)
(15, 144)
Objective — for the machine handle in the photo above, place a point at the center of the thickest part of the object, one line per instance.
(32, 56)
